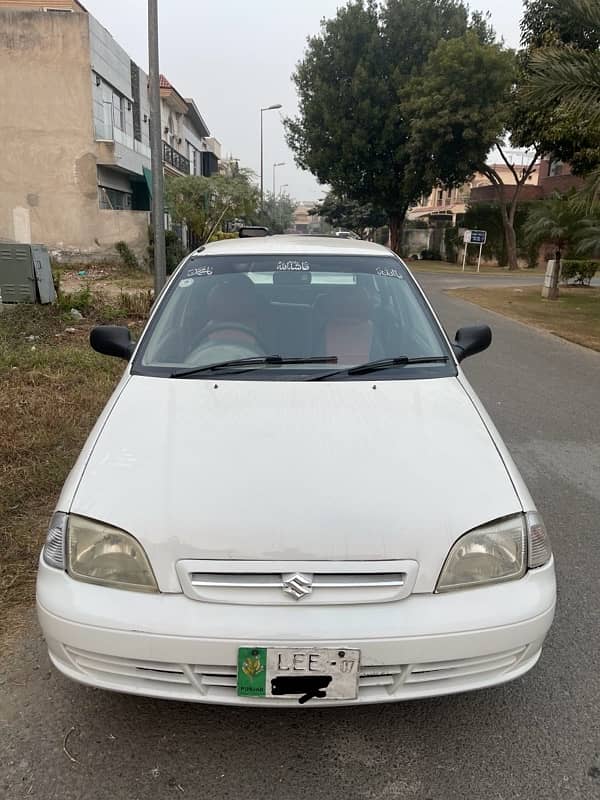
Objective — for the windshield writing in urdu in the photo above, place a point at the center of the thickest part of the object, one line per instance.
(293, 266)
(388, 273)
(199, 272)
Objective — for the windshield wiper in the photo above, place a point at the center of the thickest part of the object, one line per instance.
(382, 363)
(257, 361)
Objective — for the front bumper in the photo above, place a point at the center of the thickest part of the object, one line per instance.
(172, 647)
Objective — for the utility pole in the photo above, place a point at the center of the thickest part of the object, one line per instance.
(274, 107)
(158, 183)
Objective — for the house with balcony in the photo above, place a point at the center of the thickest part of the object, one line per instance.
(75, 160)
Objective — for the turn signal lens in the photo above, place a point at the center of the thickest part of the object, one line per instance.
(489, 554)
(540, 550)
(107, 556)
(54, 548)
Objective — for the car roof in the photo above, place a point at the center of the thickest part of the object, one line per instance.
(293, 245)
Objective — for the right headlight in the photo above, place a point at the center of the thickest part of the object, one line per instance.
(499, 551)
(98, 553)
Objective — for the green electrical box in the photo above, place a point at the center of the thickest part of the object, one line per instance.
(25, 274)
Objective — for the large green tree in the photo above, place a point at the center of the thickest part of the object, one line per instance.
(205, 205)
(354, 130)
(458, 134)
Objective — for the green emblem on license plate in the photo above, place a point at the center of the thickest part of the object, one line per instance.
(252, 671)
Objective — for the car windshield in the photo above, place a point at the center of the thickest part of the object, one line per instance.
(349, 310)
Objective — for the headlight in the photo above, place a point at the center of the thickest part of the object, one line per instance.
(490, 554)
(100, 554)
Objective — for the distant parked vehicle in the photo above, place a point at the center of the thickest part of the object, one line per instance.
(347, 235)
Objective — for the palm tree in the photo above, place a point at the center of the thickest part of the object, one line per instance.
(554, 220)
(567, 75)
(588, 238)
(571, 77)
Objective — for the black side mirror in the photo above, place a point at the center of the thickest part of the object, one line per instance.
(112, 340)
(472, 339)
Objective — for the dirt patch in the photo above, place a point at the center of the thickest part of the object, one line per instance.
(108, 280)
(575, 316)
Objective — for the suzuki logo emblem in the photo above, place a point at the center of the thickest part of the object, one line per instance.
(297, 584)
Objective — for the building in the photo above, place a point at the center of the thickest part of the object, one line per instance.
(446, 205)
(304, 221)
(75, 160)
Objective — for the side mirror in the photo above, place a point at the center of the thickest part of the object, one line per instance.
(472, 339)
(112, 340)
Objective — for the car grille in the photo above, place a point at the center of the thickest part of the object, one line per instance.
(218, 683)
(312, 583)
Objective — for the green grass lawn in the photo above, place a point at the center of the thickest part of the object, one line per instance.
(574, 316)
(486, 269)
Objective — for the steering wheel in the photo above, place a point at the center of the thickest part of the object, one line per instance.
(248, 347)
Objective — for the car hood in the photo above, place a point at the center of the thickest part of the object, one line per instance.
(293, 471)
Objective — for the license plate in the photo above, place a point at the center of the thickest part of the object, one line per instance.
(304, 674)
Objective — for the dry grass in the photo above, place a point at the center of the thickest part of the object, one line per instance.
(52, 388)
(574, 316)
(109, 279)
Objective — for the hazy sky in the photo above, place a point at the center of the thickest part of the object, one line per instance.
(234, 56)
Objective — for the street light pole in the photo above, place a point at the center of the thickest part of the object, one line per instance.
(262, 159)
(277, 164)
(158, 188)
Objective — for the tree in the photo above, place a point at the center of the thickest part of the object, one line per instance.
(340, 212)
(354, 130)
(548, 23)
(277, 213)
(563, 86)
(556, 221)
(206, 204)
(459, 135)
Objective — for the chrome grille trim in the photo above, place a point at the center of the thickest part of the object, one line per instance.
(266, 581)
(308, 582)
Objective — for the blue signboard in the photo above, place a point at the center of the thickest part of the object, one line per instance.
(478, 237)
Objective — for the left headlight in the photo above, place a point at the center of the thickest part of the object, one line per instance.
(490, 554)
(98, 553)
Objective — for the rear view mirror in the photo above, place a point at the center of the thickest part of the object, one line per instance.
(112, 340)
(470, 340)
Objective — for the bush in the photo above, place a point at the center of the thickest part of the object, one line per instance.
(218, 236)
(580, 272)
(487, 217)
(128, 257)
(81, 300)
(430, 255)
(174, 250)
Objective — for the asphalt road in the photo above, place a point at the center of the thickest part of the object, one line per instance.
(535, 739)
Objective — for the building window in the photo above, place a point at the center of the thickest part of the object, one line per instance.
(556, 168)
(114, 199)
(119, 111)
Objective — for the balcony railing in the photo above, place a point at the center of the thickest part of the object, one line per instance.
(175, 159)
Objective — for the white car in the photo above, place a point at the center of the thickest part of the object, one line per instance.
(231, 534)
